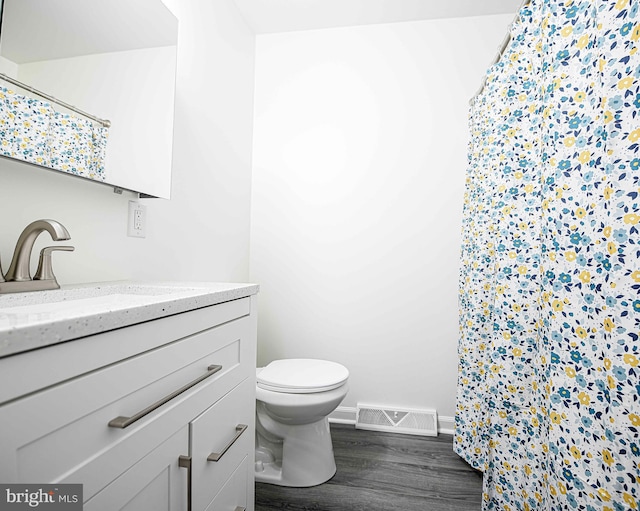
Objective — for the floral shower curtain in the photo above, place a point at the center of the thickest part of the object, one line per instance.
(549, 375)
(33, 131)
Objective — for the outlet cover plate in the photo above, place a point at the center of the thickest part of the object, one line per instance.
(137, 221)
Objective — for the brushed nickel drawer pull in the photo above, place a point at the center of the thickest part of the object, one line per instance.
(240, 509)
(185, 462)
(123, 422)
(215, 456)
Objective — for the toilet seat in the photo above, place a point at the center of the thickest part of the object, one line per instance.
(302, 376)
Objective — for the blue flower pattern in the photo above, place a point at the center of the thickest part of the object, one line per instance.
(548, 402)
(32, 131)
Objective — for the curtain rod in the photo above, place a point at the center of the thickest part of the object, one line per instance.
(104, 122)
(501, 48)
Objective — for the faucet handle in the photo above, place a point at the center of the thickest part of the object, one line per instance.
(45, 269)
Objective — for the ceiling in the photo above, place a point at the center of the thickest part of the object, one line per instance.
(68, 28)
(267, 16)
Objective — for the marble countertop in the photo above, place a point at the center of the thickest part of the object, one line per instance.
(42, 318)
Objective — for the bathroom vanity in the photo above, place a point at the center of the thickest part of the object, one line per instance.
(143, 393)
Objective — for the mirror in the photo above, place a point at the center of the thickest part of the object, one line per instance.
(113, 59)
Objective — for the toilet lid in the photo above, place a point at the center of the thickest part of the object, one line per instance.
(302, 376)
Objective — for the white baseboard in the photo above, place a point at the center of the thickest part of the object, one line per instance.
(343, 415)
(347, 415)
(446, 425)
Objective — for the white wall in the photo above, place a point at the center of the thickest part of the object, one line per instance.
(202, 233)
(360, 142)
(8, 67)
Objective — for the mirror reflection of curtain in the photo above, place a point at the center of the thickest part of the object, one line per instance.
(32, 131)
(549, 376)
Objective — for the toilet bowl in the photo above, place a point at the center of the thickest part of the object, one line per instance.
(294, 398)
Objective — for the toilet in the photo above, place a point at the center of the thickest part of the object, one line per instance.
(294, 398)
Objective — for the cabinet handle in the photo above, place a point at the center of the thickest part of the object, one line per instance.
(185, 462)
(123, 422)
(215, 456)
(240, 509)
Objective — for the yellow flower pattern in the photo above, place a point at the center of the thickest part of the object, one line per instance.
(32, 131)
(549, 409)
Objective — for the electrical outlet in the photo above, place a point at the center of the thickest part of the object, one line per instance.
(137, 223)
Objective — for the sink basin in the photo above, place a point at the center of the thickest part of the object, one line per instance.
(78, 298)
(84, 301)
(79, 305)
(41, 307)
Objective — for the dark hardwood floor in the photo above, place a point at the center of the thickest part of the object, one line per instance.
(384, 472)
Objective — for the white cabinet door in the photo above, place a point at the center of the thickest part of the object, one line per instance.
(155, 483)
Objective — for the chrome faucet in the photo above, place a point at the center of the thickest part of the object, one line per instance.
(18, 277)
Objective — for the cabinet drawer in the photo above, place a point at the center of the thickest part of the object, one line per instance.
(212, 433)
(233, 494)
(62, 435)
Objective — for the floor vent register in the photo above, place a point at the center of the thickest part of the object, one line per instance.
(407, 421)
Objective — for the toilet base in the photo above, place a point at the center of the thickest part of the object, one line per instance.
(306, 455)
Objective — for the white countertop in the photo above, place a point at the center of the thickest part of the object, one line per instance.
(42, 318)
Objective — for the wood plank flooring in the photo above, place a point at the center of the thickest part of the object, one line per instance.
(384, 472)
